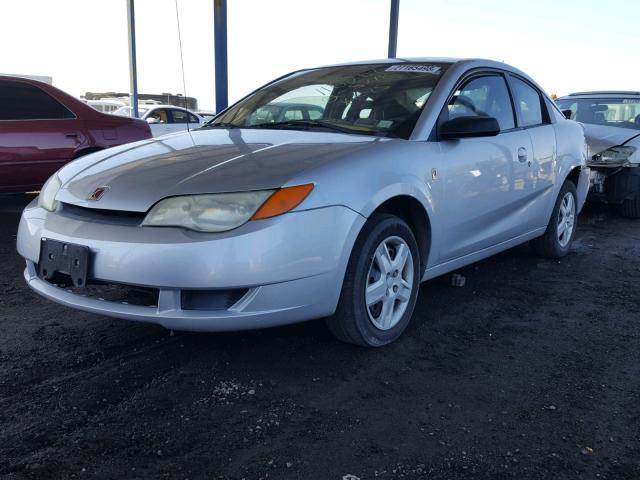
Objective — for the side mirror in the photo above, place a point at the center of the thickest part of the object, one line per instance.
(567, 114)
(468, 127)
(152, 120)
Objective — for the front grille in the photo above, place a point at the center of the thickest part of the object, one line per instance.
(110, 292)
(114, 217)
(203, 300)
(211, 299)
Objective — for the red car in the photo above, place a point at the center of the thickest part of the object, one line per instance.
(42, 128)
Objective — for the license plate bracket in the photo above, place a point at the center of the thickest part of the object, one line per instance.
(66, 258)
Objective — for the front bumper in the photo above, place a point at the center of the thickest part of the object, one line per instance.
(292, 266)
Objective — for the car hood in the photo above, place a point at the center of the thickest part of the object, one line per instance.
(138, 175)
(601, 137)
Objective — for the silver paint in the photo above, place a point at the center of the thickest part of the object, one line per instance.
(482, 200)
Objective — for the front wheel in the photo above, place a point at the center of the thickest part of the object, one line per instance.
(557, 239)
(381, 284)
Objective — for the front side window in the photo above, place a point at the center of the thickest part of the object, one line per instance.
(379, 99)
(22, 101)
(613, 112)
(485, 96)
(160, 115)
(528, 103)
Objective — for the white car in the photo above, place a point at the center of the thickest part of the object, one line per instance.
(164, 119)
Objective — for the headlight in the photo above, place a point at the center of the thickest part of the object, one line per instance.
(207, 213)
(47, 197)
(613, 156)
(224, 211)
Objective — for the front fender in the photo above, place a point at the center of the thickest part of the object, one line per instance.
(408, 187)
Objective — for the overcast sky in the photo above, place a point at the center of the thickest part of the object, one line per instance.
(565, 45)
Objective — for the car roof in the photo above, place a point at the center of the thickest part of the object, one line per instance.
(604, 93)
(392, 61)
(152, 106)
(480, 62)
(18, 78)
(461, 64)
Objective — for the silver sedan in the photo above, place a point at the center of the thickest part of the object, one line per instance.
(378, 176)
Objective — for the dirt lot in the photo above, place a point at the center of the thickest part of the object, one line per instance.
(530, 371)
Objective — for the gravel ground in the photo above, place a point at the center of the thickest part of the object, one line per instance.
(530, 371)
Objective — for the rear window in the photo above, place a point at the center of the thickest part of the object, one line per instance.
(613, 112)
(180, 116)
(21, 101)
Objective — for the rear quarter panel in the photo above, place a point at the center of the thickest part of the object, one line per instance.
(571, 153)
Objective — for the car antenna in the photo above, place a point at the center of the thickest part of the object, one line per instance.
(184, 83)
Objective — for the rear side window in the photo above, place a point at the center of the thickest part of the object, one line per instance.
(528, 103)
(21, 101)
(485, 96)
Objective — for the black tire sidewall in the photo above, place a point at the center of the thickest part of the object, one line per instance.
(381, 228)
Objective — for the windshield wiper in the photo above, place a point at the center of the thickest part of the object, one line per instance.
(307, 124)
(220, 125)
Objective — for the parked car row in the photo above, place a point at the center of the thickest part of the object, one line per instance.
(331, 192)
(42, 128)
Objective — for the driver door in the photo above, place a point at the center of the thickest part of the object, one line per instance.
(486, 180)
(159, 124)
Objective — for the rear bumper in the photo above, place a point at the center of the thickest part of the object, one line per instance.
(292, 266)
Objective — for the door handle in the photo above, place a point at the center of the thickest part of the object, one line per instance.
(522, 154)
(71, 135)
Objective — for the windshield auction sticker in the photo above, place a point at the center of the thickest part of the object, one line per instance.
(414, 68)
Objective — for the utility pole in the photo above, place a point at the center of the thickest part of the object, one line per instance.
(393, 28)
(220, 45)
(133, 65)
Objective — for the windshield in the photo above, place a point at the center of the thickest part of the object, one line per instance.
(379, 99)
(128, 111)
(614, 112)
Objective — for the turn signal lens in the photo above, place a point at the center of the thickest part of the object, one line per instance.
(283, 201)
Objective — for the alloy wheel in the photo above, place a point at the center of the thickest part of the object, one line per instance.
(389, 283)
(566, 219)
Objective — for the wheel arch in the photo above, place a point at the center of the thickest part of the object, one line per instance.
(579, 176)
(413, 212)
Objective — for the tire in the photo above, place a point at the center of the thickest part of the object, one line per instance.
(556, 244)
(386, 278)
(631, 207)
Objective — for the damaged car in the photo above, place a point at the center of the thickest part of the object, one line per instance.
(612, 129)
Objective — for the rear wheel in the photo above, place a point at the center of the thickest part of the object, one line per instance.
(557, 239)
(381, 284)
(631, 207)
